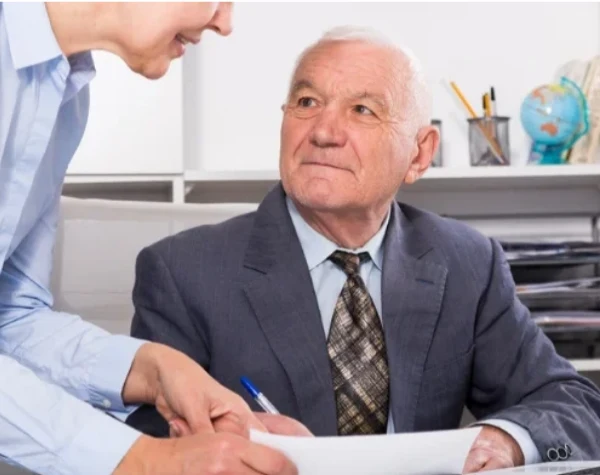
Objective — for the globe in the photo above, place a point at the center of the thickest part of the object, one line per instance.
(551, 114)
(555, 116)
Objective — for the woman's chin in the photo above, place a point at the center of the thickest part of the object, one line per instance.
(154, 69)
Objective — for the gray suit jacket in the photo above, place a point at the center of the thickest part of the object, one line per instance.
(237, 297)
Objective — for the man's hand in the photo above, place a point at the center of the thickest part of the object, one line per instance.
(206, 454)
(493, 449)
(182, 391)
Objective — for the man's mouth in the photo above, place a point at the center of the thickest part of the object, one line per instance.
(323, 164)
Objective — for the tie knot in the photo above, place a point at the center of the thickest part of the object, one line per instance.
(348, 261)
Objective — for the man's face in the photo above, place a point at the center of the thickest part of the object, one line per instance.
(151, 35)
(346, 140)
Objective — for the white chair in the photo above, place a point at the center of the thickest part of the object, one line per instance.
(98, 242)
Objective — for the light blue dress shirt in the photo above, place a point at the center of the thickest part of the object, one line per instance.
(328, 281)
(50, 362)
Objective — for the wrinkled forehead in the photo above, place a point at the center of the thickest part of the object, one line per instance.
(348, 68)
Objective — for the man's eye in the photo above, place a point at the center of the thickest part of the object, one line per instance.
(363, 110)
(306, 102)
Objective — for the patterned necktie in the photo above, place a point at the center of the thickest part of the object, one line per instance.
(357, 355)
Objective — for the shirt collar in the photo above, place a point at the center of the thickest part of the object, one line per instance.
(317, 248)
(30, 36)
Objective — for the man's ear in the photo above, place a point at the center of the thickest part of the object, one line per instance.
(428, 140)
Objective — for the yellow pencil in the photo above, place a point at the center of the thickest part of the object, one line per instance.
(487, 111)
(463, 99)
(488, 105)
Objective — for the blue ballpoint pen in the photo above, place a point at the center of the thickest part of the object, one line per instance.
(259, 397)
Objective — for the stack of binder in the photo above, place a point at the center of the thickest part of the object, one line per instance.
(560, 284)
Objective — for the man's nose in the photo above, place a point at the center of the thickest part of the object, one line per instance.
(329, 130)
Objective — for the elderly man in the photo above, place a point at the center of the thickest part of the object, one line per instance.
(353, 313)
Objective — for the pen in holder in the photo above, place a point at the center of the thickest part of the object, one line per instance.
(488, 141)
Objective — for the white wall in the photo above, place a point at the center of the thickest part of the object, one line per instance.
(135, 125)
(237, 84)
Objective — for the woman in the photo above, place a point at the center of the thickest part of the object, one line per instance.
(52, 362)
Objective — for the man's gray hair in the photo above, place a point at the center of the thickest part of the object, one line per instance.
(419, 95)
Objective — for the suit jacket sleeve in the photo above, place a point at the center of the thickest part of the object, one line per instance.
(518, 376)
(161, 316)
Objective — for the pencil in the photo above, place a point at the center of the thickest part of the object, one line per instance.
(463, 99)
(487, 113)
(487, 106)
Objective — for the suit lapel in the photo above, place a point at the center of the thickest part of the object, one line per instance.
(412, 290)
(280, 291)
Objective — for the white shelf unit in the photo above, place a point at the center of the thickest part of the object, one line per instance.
(446, 178)
(118, 179)
(127, 187)
(501, 177)
(204, 176)
(584, 366)
(467, 192)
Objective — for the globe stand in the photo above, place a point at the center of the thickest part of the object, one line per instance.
(544, 154)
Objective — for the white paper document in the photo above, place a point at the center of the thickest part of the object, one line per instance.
(419, 453)
(552, 468)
